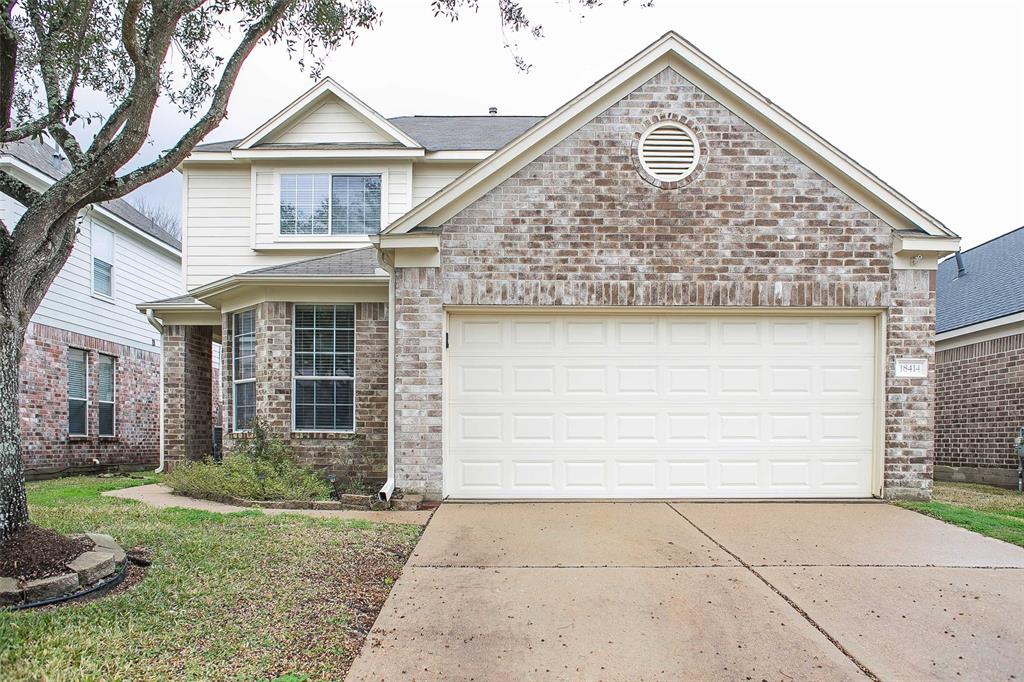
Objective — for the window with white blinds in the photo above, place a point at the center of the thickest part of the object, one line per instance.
(102, 261)
(244, 368)
(78, 392)
(323, 204)
(105, 369)
(323, 381)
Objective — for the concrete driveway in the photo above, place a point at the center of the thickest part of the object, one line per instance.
(737, 591)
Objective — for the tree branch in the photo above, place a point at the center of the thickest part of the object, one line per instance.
(17, 190)
(8, 65)
(215, 113)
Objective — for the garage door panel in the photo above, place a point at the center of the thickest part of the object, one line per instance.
(659, 406)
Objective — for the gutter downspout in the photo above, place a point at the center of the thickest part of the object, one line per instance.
(160, 329)
(384, 495)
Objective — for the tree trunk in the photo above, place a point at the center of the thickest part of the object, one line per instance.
(13, 506)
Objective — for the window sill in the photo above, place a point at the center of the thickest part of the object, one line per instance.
(103, 297)
(325, 435)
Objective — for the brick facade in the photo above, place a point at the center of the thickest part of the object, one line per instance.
(43, 405)
(979, 407)
(579, 226)
(359, 456)
(188, 392)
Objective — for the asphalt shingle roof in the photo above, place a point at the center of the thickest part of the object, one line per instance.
(434, 133)
(992, 285)
(356, 262)
(41, 156)
(455, 133)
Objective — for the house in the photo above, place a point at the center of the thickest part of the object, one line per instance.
(979, 362)
(667, 288)
(89, 374)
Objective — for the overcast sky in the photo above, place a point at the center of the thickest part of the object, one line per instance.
(928, 95)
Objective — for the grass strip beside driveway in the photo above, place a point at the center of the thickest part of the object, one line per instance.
(229, 596)
(991, 511)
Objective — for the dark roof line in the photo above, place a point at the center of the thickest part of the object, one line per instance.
(985, 243)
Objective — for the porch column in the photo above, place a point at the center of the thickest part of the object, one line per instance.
(188, 394)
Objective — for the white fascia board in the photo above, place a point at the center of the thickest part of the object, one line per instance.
(296, 108)
(938, 245)
(156, 306)
(671, 50)
(265, 153)
(235, 281)
(1000, 326)
(40, 181)
(408, 241)
(458, 155)
(202, 156)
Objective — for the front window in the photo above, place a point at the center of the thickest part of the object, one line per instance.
(105, 371)
(324, 368)
(78, 391)
(322, 204)
(244, 371)
(102, 261)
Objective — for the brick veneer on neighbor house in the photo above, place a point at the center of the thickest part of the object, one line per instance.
(579, 226)
(979, 407)
(358, 456)
(43, 405)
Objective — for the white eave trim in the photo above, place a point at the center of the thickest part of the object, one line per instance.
(156, 306)
(671, 50)
(310, 153)
(326, 85)
(235, 281)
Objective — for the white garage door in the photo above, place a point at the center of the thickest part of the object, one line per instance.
(665, 406)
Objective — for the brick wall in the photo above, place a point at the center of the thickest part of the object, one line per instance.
(361, 455)
(579, 226)
(979, 407)
(43, 404)
(188, 392)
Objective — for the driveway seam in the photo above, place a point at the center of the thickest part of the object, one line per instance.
(574, 566)
(796, 607)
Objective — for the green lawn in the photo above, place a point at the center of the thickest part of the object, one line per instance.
(241, 596)
(991, 511)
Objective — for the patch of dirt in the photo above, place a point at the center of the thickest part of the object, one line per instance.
(979, 497)
(35, 552)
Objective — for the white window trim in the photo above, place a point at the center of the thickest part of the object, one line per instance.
(234, 380)
(355, 350)
(93, 258)
(112, 402)
(85, 399)
(382, 173)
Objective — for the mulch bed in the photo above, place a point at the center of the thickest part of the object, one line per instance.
(35, 552)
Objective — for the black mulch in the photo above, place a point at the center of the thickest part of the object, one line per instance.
(35, 552)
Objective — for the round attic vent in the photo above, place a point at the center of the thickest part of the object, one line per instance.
(669, 151)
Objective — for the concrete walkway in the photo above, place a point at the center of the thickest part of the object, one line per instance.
(156, 495)
(645, 591)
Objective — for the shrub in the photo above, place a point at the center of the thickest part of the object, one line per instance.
(260, 468)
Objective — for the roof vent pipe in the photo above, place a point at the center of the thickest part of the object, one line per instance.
(493, 111)
(960, 269)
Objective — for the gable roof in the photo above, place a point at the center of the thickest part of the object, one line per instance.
(324, 88)
(992, 285)
(672, 51)
(433, 133)
(465, 133)
(44, 159)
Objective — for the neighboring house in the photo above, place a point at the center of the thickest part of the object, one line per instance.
(90, 366)
(667, 288)
(979, 362)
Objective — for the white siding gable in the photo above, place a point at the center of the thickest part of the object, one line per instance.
(332, 121)
(142, 272)
(430, 178)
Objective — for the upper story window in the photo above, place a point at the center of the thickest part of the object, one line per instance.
(323, 204)
(102, 261)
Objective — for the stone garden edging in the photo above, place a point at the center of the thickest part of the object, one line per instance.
(99, 568)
